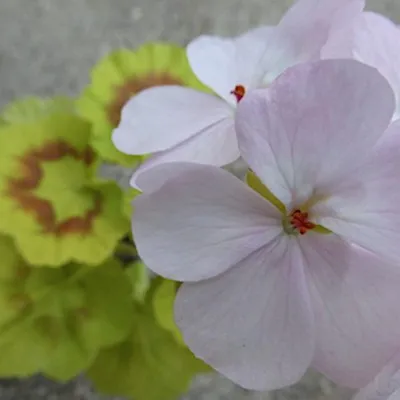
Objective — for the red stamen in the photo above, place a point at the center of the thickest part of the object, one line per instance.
(299, 220)
(239, 92)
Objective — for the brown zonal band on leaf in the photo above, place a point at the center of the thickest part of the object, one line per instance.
(51, 203)
(20, 189)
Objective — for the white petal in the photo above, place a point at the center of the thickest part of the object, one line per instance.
(355, 296)
(201, 222)
(365, 209)
(305, 29)
(216, 145)
(373, 40)
(222, 63)
(253, 323)
(395, 395)
(386, 385)
(313, 125)
(161, 117)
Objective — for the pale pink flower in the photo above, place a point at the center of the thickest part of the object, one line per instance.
(182, 124)
(372, 39)
(386, 384)
(261, 302)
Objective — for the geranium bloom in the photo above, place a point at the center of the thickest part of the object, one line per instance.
(372, 39)
(294, 275)
(182, 124)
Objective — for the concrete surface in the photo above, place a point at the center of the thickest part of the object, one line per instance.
(214, 387)
(48, 46)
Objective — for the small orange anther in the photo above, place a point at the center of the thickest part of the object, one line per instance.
(239, 92)
(299, 221)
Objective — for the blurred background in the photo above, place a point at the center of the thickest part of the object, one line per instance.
(47, 47)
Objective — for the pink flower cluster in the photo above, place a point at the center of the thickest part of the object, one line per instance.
(299, 265)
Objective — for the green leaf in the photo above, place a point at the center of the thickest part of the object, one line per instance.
(12, 266)
(24, 351)
(14, 272)
(130, 195)
(104, 319)
(138, 275)
(163, 305)
(109, 305)
(70, 356)
(55, 321)
(151, 365)
(51, 203)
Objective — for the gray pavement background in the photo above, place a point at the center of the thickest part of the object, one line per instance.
(48, 46)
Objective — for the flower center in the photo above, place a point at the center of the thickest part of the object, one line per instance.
(295, 223)
(299, 220)
(298, 223)
(239, 92)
